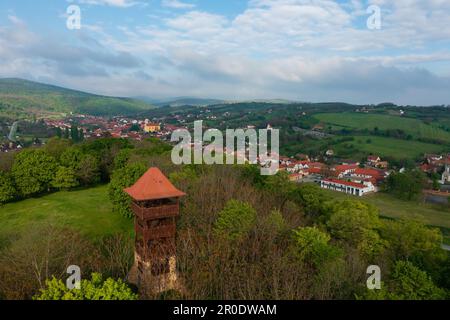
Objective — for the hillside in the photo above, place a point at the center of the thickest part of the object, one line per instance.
(351, 120)
(186, 101)
(21, 98)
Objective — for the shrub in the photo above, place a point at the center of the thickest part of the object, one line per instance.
(65, 179)
(94, 289)
(8, 191)
(121, 179)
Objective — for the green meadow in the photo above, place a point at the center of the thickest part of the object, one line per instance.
(361, 121)
(88, 211)
(385, 147)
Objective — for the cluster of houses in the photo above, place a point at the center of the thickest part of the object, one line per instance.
(117, 127)
(351, 178)
(437, 163)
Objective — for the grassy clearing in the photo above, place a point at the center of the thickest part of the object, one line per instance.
(352, 120)
(87, 211)
(386, 147)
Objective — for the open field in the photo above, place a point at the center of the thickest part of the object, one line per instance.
(386, 147)
(353, 120)
(87, 211)
(391, 207)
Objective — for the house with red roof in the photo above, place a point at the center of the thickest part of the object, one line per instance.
(344, 169)
(349, 187)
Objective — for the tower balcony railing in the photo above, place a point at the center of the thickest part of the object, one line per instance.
(155, 233)
(165, 211)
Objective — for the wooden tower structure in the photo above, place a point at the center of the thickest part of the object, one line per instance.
(155, 203)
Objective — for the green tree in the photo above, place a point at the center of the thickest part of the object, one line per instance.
(121, 179)
(311, 198)
(33, 171)
(312, 246)
(8, 191)
(135, 128)
(356, 223)
(235, 220)
(71, 158)
(66, 133)
(94, 289)
(81, 135)
(280, 186)
(65, 179)
(414, 241)
(58, 132)
(408, 238)
(121, 160)
(88, 172)
(253, 174)
(407, 185)
(276, 220)
(56, 147)
(74, 134)
(407, 282)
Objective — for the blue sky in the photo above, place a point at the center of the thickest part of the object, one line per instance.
(308, 50)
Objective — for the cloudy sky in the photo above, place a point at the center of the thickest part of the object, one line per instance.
(308, 50)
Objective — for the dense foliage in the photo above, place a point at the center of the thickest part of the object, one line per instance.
(121, 179)
(407, 185)
(240, 235)
(94, 289)
(59, 166)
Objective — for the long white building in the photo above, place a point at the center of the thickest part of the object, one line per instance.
(353, 188)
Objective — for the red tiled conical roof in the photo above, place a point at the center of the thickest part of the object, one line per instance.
(153, 185)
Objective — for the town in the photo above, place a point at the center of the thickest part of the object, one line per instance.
(357, 178)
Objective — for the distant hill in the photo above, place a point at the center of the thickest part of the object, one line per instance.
(185, 101)
(20, 98)
(182, 101)
(200, 102)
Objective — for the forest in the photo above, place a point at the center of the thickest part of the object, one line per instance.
(240, 235)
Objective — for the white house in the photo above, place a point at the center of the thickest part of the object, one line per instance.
(353, 188)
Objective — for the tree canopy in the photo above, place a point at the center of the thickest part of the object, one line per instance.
(94, 289)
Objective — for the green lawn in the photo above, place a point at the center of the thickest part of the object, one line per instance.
(88, 211)
(353, 120)
(385, 147)
(391, 207)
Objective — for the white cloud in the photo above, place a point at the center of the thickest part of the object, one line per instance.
(176, 4)
(113, 3)
(315, 50)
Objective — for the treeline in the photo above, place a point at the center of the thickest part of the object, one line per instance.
(388, 133)
(77, 135)
(59, 165)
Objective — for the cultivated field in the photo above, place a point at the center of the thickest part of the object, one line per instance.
(361, 121)
(385, 147)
